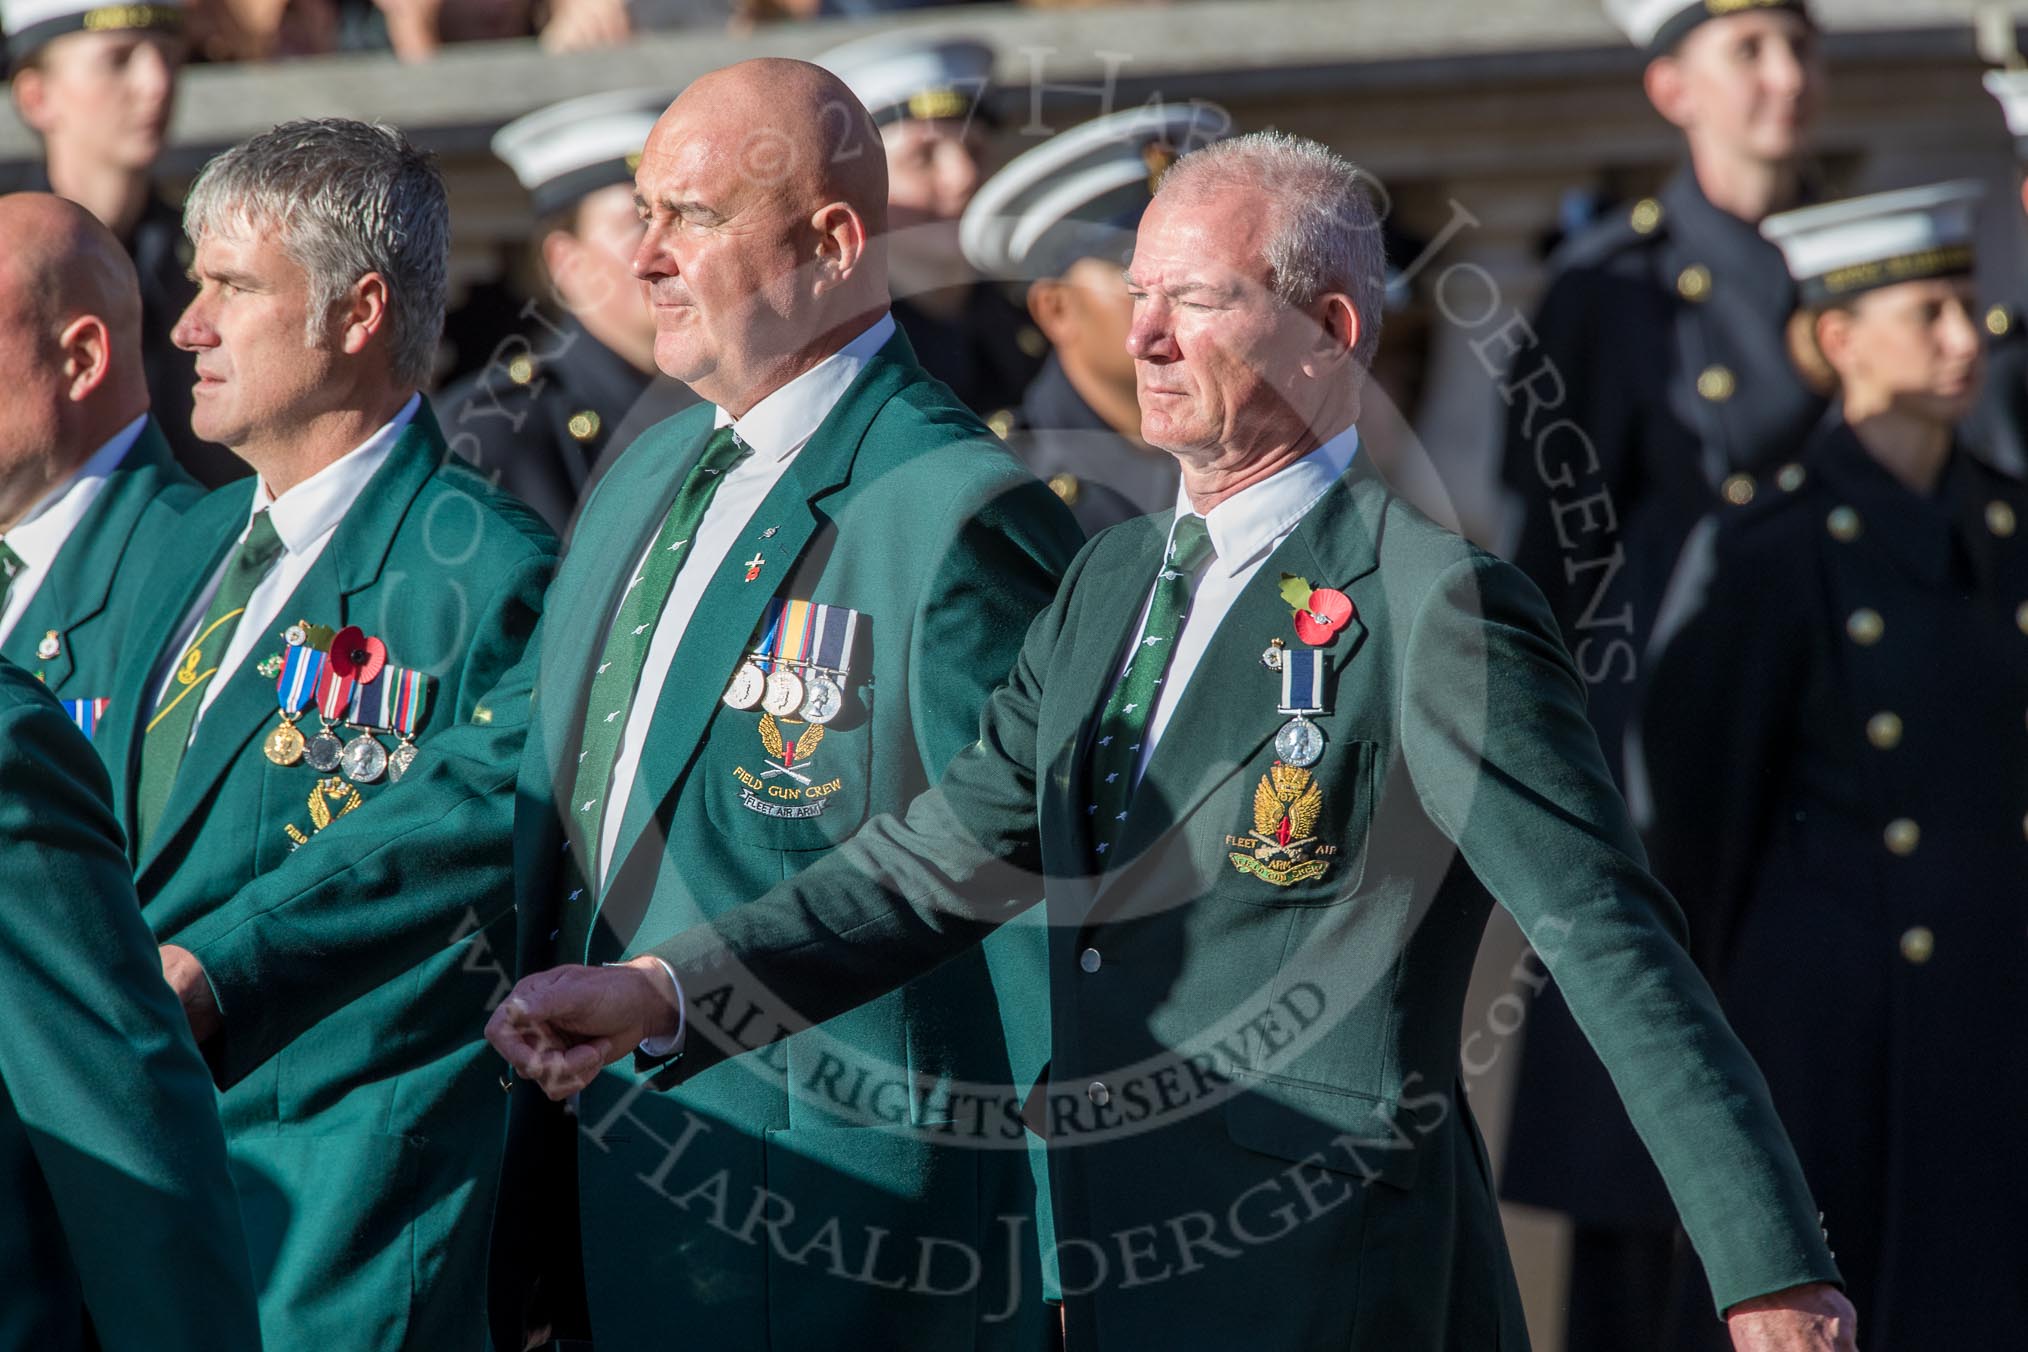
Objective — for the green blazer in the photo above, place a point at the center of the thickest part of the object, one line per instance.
(904, 508)
(1258, 1127)
(366, 1156)
(120, 1229)
(88, 602)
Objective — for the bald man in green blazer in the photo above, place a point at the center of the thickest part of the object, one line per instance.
(121, 1231)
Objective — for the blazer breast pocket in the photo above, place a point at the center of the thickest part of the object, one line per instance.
(787, 784)
(1299, 834)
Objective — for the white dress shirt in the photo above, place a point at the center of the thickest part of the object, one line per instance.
(305, 517)
(1245, 529)
(39, 536)
(776, 428)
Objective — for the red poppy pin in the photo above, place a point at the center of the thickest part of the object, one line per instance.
(355, 655)
(1320, 611)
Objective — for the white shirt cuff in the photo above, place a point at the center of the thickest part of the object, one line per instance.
(659, 1047)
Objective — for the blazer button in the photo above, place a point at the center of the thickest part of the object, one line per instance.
(1089, 960)
(1917, 943)
(1716, 383)
(1865, 626)
(1099, 1094)
(1902, 836)
(1884, 730)
(1738, 489)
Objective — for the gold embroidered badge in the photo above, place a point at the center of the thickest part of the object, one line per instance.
(768, 793)
(1283, 849)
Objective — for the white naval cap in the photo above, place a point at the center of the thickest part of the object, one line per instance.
(1081, 193)
(31, 24)
(904, 75)
(1659, 24)
(569, 149)
(1842, 248)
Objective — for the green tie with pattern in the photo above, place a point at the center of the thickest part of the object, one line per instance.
(1117, 747)
(11, 565)
(168, 731)
(626, 650)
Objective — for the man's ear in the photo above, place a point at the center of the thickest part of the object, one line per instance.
(1834, 335)
(841, 244)
(1667, 89)
(1049, 306)
(362, 313)
(1337, 329)
(87, 349)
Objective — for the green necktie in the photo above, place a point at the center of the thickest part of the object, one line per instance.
(1117, 747)
(626, 649)
(11, 564)
(168, 732)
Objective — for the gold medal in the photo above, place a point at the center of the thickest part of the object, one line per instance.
(284, 745)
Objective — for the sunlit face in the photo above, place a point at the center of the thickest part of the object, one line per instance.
(1091, 319)
(934, 165)
(592, 266)
(259, 377)
(721, 248)
(1915, 347)
(1208, 336)
(106, 96)
(1752, 82)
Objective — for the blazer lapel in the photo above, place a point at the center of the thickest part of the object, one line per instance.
(731, 607)
(1230, 708)
(350, 563)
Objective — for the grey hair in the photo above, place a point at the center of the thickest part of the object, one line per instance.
(1326, 232)
(345, 199)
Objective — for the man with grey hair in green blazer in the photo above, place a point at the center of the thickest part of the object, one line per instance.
(781, 613)
(1270, 759)
(309, 637)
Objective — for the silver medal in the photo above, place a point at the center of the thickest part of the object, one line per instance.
(1300, 743)
(784, 694)
(823, 698)
(398, 761)
(323, 752)
(364, 759)
(746, 688)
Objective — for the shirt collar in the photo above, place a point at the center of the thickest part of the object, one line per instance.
(780, 424)
(1252, 521)
(312, 509)
(39, 536)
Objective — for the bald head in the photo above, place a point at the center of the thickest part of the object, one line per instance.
(764, 192)
(795, 126)
(70, 342)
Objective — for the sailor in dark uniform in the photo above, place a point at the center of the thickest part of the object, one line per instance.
(1834, 742)
(927, 96)
(1061, 217)
(1998, 427)
(1653, 386)
(97, 84)
(575, 377)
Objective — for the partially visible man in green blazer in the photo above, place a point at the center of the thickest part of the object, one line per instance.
(780, 613)
(89, 492)
(1272, 758)
(305, 644)
(121, 1233)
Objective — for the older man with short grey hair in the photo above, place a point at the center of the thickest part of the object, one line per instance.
(1270, 758)
(303, 644)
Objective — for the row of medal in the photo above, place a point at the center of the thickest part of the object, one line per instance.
(392, 701)
(799, 669)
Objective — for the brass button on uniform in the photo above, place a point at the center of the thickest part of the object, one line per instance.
(1099, 1094)
(1789, 478)
(1694, 282)
(2021, 617)
(1738, 489)
(1001, 422)
(1716, 383)
(1031, 342)
(1884, 730)
(1998, 321)
(1917, 943)
(1865, 626)
(1089, 960)
(521, 370)
(1066, 486)
(584, 424)
(1646, 215)
(1843, 523)
(1902, 836)
(2000, 518)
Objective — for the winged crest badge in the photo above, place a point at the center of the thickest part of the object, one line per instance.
(1283, 849)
